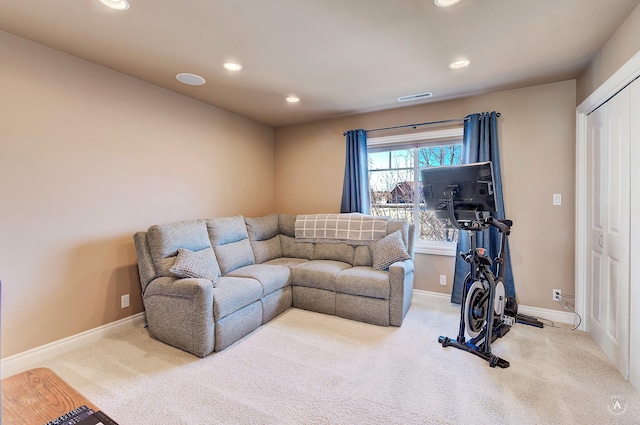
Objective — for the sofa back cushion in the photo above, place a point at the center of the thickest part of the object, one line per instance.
(362, 256)
(403, 227)
(334, 251)
(230, 241)
(287, 224)
(293, 249)
(408, 233)
(165, 239)
(264, 237)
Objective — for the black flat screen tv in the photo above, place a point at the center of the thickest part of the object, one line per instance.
(470, 187)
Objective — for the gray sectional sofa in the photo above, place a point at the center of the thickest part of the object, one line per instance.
(208, 283)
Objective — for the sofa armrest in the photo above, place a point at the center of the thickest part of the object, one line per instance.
(401, 282)
(180, 313)
(188, 287)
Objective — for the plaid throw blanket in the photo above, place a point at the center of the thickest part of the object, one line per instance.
(352, 228)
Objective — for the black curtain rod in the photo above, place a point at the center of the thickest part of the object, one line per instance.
(416, 125)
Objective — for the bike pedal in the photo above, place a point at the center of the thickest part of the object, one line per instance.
(508, 320)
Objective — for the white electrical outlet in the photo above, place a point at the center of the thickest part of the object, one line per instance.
(124, 301)
(557, 295)
(557, 199)
(443, 280)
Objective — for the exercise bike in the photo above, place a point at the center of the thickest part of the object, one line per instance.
(486, 313)
(464, 198)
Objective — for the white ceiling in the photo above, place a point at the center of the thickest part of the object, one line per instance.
(339, 56)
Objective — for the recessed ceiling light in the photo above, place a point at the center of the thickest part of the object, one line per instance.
(293, 99)
(461, 63)
(116, 4)
(446, 3)
(232, 66)
(190, 79)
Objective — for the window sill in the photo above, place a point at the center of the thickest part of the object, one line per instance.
(448, 249)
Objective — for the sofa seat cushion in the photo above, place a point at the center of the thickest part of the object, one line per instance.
(271, 276)
(233, 293)
(286, 261)
(364, 281)
(319, 274)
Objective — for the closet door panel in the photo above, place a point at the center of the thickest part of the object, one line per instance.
(607, 315)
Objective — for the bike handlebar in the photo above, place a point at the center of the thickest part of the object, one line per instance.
(502, 225)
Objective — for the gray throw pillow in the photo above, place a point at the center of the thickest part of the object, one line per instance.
(196, 264)
(388, 250)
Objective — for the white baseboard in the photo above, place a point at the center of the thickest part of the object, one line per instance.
(26, 360)
(555, 316)
(541, 313)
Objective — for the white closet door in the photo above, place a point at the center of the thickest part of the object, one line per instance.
(607, 297)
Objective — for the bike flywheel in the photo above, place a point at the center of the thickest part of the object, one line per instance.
(475, 309)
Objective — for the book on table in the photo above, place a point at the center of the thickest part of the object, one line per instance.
(83, 415)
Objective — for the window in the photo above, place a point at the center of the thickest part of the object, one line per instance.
(396, 189)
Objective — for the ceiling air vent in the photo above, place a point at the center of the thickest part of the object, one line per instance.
(415, 97)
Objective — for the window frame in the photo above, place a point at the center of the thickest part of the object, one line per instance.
(450, 136)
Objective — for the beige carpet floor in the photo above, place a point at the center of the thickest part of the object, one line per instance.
(309, 368)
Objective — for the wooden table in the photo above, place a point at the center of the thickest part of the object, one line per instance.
(38, 396)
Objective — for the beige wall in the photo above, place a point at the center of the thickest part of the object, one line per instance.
(537, 148)
(89, 156)
(621, 47)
